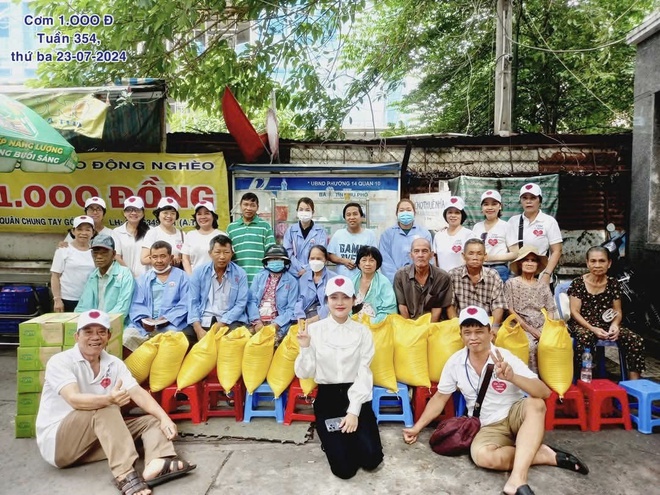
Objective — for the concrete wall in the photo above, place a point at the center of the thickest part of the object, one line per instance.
(644, 218)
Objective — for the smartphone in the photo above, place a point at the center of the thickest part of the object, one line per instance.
(332, 424)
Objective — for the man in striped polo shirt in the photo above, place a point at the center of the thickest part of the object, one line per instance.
(251, 236)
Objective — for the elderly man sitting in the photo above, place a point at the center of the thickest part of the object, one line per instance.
(80, 420)
(512, 412)
(160, 301)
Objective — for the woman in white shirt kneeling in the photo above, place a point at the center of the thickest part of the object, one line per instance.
(337, 352)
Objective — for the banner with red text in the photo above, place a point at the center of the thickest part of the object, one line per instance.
(47, 203)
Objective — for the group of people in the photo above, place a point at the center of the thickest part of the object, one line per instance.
(163, 279)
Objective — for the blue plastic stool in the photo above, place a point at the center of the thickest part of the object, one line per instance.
(399, 398)
(645, 391)
(262, 394)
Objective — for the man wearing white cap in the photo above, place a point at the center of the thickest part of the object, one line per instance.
(535, 228)
(195, 250)
(110, 286)
(512, 425)
(80, 420)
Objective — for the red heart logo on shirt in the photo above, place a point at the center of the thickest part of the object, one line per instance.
(456, 249)
(528, 186)
(499, 386)
(453, 200)
(472, 310)
(105, 383)
(538, 232)
(339, 282)
(492, 242)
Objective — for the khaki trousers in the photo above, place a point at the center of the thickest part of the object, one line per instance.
(89, 436)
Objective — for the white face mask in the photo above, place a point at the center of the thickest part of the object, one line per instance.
(164, 270)
(316, 265)
(304, 216)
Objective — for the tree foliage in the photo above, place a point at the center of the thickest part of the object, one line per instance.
(573, 70)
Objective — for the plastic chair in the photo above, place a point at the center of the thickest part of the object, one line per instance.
(264, 393)
(214, 393)
(421, 396)
(599, 394)
(646, 392)
(573, 404)
(390, 399)
(171, 401)
(296, 397)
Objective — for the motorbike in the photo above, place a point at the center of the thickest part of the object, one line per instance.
(639, 311)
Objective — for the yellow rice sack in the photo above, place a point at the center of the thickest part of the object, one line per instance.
(555, 355)
(382, 365)
(411, 364)
(201, 359)
(140, 361)
(230, 356)
(281, 372)
(166, 365)
(513, 337)
(444, 340)
(257, 357)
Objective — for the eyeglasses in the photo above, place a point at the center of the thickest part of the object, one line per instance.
(94, 209)
(131, 210)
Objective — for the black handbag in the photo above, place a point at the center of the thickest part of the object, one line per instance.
(454, 436)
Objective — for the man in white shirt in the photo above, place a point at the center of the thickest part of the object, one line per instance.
(80, 420)
(512, 425)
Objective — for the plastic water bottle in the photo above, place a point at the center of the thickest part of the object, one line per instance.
(283, 185)
(587, 362)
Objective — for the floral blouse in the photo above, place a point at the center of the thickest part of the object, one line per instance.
(594, 305)
(527, 300)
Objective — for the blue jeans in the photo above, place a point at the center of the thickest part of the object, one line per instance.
(503, 270)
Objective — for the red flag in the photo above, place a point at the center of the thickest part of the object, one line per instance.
(251, 144)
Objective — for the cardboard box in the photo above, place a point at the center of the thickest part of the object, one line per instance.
(44, 331)
(30, 381)
(71, 326)
(27, 404)
(26, 426)
(35, 358)
(115, 347)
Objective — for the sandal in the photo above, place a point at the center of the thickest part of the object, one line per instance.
(131, 484)
(170, 471)
(565, 460)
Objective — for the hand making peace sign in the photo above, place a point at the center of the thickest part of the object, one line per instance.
(503, 370)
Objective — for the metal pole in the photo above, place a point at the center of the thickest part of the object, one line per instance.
(503, 86)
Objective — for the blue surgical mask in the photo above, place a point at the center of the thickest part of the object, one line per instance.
(406, 217)
(275, 266)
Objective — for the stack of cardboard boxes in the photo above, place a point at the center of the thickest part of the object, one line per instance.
(40, 339)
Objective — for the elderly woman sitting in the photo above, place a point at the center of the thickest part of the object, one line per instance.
(375, 293)
(525, 296)
(596, 312)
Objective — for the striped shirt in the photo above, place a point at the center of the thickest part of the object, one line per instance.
(487, 293)
(250, 242)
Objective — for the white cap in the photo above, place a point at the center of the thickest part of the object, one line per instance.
(455, 202)
(94, 316)
(134, 202)
(531, 188)
(340, 284)
(167, 201)
(205, 204)
(474, 313)
(95, 200)
(491, 194)
(82, 219)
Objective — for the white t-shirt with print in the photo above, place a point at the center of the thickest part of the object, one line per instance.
(196, 246)
(74, 267)
(495, 239)
(449, 248)
(542, 232)
(176, 240)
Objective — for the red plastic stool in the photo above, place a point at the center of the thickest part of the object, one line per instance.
(421, 396)
(298, 398)
(599, 393)
(213, 392)
(573, 404)
(171, 404)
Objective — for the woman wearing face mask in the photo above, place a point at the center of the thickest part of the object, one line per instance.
(301, 237)
(375, 294)
(396, 241)
(311, 301)
(273, 293)
(493, 232)
(448, 243)
(195, 250)
(129, 236)
(166, 213)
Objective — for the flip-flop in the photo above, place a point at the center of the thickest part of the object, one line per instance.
(524, 490)
(168, 474)
(566, 460)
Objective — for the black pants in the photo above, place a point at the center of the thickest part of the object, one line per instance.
(69, 306)
(347, 452)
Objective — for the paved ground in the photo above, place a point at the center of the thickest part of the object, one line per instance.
(621, 462)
